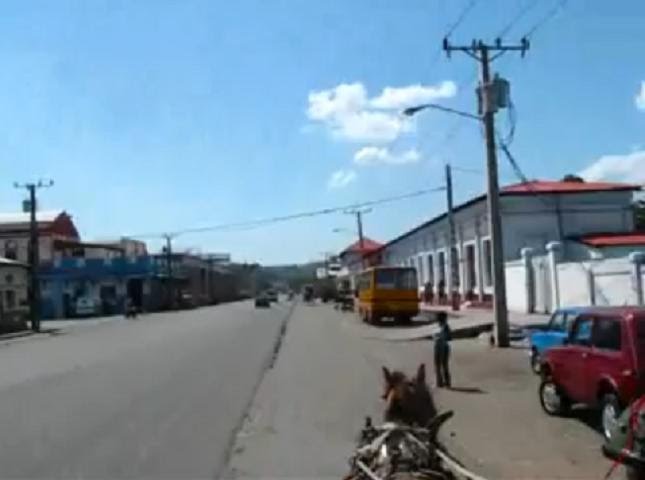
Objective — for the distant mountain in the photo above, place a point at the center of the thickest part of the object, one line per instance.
(293, 276)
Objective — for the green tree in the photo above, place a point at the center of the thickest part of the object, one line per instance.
(570, 177)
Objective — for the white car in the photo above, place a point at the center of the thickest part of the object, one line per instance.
(85, 307)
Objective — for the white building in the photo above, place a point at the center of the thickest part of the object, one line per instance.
(532, 214)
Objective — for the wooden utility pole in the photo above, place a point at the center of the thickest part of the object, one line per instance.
(489, 103)
(359, 228)
(34, 253)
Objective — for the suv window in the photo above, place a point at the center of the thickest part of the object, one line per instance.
(581, 333)
(558, 321)
(607, 333)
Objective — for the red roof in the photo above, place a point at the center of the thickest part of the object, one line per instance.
(549, 186)
(613, 239)
(369, 246)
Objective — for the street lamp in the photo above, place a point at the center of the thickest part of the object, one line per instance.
(410, 111)
(495, 228)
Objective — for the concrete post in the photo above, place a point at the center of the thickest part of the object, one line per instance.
(591, 284)
(637, 259)
(554, 248)
(527, 260)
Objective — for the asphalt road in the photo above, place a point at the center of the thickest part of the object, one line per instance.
(309, 408)
(157, 397)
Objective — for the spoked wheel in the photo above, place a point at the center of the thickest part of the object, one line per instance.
(554, 402)
(609, 413)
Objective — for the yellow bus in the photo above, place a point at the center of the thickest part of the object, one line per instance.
(387, 292)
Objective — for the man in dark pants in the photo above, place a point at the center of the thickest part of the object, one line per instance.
(442, 351)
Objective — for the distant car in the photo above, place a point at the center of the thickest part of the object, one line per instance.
(262, 301)
(554, 334)
(272, 295)
(599, 365)
(85, 307)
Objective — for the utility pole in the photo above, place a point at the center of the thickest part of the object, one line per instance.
(452, 250)
(171, 286)
(359, 228)
(34, 253)
(491, 98)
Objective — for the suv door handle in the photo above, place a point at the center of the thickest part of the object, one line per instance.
(585, 354)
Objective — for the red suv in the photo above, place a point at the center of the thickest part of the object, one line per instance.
(599, 365)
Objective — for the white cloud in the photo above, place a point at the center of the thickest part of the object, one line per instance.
(349, 114)
(337, 102)
(400, 98)
(639, 99)
(341, 178)
(379, 155)
(626, 168)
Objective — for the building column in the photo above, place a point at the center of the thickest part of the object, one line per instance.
(637, 259)
(479, 263)
(529, 290)
(554, 248)
(461, 263)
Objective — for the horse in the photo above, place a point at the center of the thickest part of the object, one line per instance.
(407, 401)
(405, 447)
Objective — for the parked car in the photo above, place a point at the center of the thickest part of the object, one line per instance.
(627, 443)
(85, 307)
(554, 334)
(272, 295)
(601, 364)
(262, 301)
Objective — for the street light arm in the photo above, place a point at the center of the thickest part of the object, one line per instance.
(408, 112)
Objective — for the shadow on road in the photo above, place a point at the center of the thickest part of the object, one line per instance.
(589, 417)
(475, 390)
(394, 324)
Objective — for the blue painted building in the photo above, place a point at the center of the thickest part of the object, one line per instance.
(102, 283)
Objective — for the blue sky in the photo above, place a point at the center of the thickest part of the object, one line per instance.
(158, 115)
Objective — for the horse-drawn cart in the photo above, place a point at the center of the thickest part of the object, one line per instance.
(400, 449)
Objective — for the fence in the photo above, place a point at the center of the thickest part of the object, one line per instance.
(542, 283)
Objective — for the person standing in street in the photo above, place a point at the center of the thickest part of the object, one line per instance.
(442, 351)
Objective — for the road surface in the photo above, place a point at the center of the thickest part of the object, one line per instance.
(158, 397)
(310, 407)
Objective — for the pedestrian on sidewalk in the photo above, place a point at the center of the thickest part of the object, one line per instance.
(442, 351)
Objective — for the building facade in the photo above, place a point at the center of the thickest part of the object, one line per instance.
(532, 215)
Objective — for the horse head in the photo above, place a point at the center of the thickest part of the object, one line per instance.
(408, 400)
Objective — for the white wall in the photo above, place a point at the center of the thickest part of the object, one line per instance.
(613, 283)
(574, 284)
(516, 293)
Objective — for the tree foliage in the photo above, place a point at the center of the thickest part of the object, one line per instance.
(570, 177)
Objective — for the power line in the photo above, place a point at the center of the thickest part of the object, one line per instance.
(546, 18)
(474, 171)
(462, 16)
(451, 29)
(250, 224)
(527, 7)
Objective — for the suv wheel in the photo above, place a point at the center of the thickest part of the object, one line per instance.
(535, 361)
(609, 413)
(552, 399)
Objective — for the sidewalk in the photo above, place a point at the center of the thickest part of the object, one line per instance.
(464, 323)
(327, 378)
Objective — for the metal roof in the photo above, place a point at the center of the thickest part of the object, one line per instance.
(534, 187)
